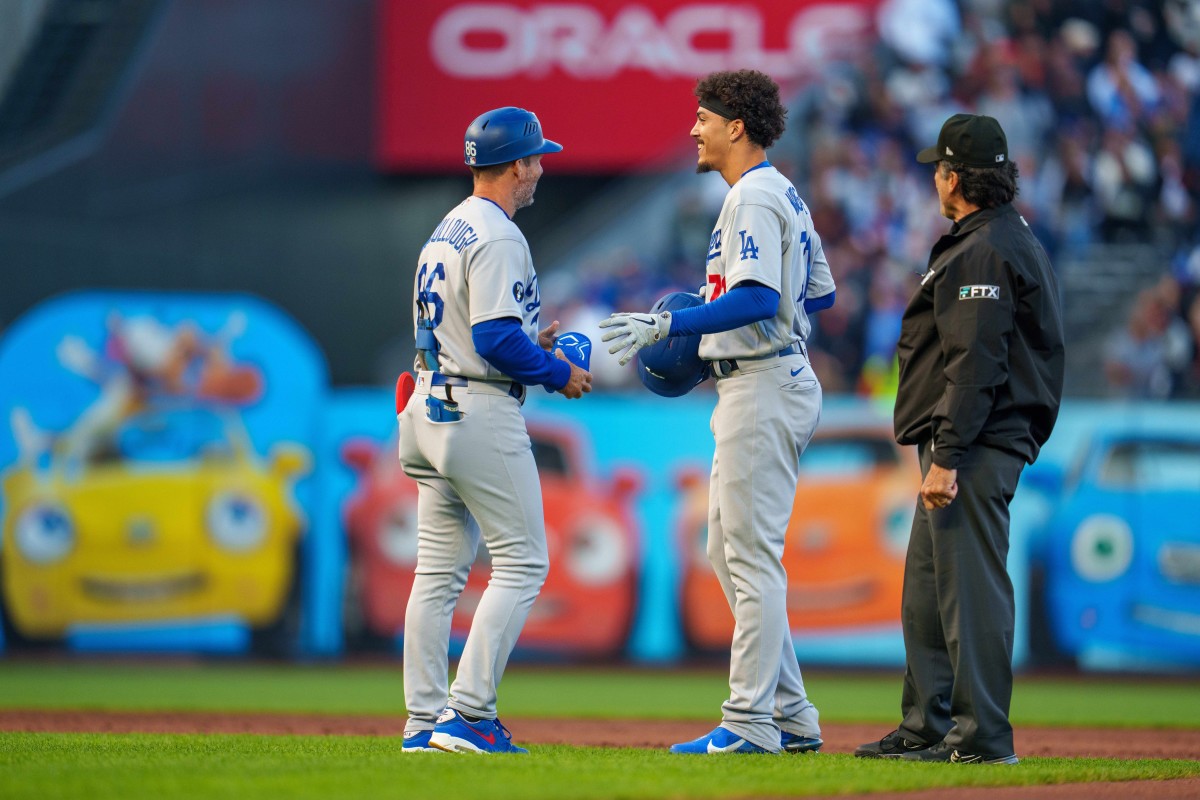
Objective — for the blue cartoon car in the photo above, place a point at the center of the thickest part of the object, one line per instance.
(1122, 552)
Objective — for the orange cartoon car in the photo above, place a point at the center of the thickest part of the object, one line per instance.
(845, 542)
(586, 606)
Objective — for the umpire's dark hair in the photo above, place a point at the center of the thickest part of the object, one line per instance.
(753, 96)
(986, 187)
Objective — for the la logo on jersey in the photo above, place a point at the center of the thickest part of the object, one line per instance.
(979, 292)
(749, 251)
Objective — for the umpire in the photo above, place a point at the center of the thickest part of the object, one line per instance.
(981, 376)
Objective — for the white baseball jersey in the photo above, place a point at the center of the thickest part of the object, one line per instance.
(475, 267)
(765, 234)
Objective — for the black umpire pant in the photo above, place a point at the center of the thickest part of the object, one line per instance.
(957, 610)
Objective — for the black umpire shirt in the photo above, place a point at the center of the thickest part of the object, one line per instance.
(981, 342)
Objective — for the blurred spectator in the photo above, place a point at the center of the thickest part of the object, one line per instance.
(1120, 89)
(1025, 114)
(1189, 379)
(1101, 102)
(919, 31)
(1066, 69)
(1147, 358)
(1176, 207)
(1124, 179)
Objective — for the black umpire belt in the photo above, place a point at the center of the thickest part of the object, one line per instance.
(727, 366)
(515, 390)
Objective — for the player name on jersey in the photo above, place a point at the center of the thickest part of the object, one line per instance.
(457, 233)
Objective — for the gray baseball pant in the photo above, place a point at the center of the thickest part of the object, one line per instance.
(764, 419)
(480, 469)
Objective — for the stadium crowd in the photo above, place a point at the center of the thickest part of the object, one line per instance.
(1100, 100)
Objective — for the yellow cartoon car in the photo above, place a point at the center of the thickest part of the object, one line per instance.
(176, 519)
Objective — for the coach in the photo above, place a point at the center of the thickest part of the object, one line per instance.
(981, 375)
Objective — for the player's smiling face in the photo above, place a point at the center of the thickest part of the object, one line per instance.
(712, 140)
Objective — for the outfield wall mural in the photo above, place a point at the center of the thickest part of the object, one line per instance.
(155, 474)
(176, 475)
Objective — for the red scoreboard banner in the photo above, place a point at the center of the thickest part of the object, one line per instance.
(611, 81)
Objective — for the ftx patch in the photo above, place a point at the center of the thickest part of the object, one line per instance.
(979, 291)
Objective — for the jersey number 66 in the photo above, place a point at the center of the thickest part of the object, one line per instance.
(429, 302)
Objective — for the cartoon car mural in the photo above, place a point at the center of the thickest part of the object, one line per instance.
(586, 606)
(175, 518)
(845, 542)
(1122, 550)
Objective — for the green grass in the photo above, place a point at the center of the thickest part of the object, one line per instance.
(49, 766)
(545, 692)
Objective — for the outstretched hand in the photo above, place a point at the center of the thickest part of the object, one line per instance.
(632, 332)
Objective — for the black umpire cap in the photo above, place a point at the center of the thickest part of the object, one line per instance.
(975, 140)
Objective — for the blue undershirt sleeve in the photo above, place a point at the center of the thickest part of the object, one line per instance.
(741, 305)
(506, 347)
(814, 304)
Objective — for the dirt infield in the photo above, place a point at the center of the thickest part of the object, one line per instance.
(839, 738)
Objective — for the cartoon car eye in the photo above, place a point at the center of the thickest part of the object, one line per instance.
(1102, 548)
(44, 534)
(398, 535)
(596, 553)
(236, 522)
(897, 524)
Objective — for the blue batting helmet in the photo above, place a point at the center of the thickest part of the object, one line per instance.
(505, 134)
(673, 367)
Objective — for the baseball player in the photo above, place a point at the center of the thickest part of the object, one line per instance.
(463, 438)
(766, 272)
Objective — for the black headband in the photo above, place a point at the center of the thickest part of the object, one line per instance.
(717, 107)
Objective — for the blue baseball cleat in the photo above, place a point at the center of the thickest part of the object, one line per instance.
(454, 734)
(418, 742)
(798, 743)
(718, 741)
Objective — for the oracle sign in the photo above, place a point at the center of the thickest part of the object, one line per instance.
(611, 81)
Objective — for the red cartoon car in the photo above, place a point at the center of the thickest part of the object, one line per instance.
(586, 606)
(845, 542)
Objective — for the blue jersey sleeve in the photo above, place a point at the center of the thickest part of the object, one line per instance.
(506, 347)
(743, 304)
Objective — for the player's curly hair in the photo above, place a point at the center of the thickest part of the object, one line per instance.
(986, 187)
(753, 96)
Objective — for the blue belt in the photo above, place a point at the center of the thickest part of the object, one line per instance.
(515, 390)
(725, 366)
